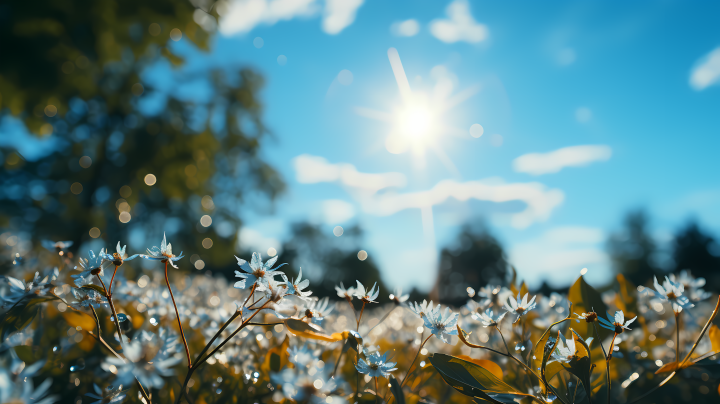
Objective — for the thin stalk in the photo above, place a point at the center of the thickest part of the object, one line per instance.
(677, 340)
(199, 361)
(226, 340)
(503, 339)
(182, 332)
(687, 356)
(607, 365)
(413, 362)
(192, 370)
(349, 300)
(109, 348)
(108, 296)
(360, 317)
(383, 318)
(112, 279)
(377, 392)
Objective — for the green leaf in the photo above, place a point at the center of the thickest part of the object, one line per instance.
(21, 315)
(396, 391)
(585, 299)
(473, 380)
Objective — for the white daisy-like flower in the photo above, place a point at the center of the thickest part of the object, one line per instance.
(441, 324)
(424, 309)
(376, 365)
(296, 286)
(367, 295)
(256, 272)
(487, 318)
(346, 294)
(671, 292)
(163, 253)
(617, 323)
(397, 296)
(519, 307)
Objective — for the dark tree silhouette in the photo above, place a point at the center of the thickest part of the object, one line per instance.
(632, 249)
(476, 259)
(328, 260)
(697, 251)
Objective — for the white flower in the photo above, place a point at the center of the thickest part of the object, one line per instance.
(616, 324)
(296, 286)
(424, 309)
(487, 319)
(256, 272)
(376, 365)
(671, 292)
(397, 297)
(163, 253)
(519, 307)
(345, 293)
(441, 324)
(367, 295)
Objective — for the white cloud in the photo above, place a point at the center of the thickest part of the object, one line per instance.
(313, 169)
(706, 71)
(336, 211)
(539, 199)
(460, 25)
(554, 161)
(339, 14)
(251, 239)
(405, 28)
(240, 16)
(559, 254)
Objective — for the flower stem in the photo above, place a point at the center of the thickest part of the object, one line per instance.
(607, 368)
(413, 362)
(607, 365)
(113, 279)
(182, 333)
(108, 296)
(360, 317)
(377, 392)
(677, 341)
(503, 339)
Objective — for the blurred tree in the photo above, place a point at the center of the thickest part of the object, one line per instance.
(328, 260)
(632, 249)
(698, 252)
(71, 72)
(476, 260)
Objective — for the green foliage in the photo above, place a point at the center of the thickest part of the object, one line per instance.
(74, 76)
(20, 315)
(473, 380)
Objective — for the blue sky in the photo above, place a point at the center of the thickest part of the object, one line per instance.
(626, 90)
(588, 109)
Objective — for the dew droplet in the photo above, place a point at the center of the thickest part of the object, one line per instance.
(519, 347)
(153, 321)
(55, 349)
(550, 398)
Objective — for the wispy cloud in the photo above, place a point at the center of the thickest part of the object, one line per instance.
(241, 16)
(706, 71)
(539, 200)
(339, 14)
(314, 169)
(405, 28)
(336, 211)
(459, 26)
(559, 254)
(554, 161)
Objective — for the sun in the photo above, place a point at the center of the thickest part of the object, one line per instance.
(417, 123)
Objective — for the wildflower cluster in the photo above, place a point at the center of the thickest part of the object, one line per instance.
(164, 336)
